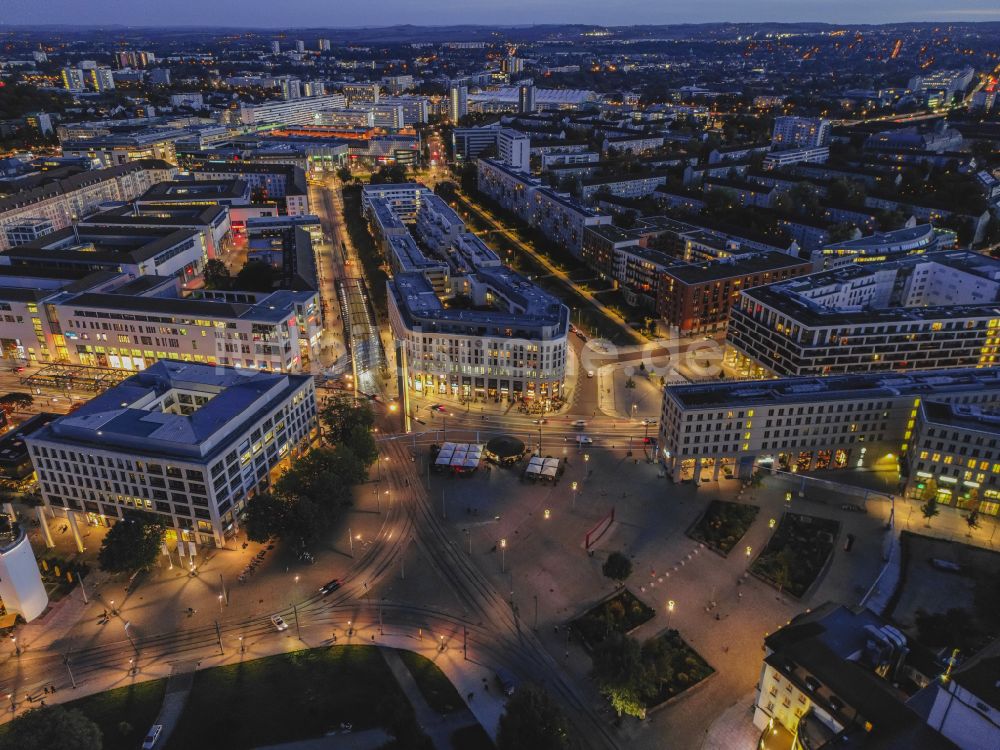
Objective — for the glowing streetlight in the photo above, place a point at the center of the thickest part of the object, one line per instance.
(546, 513)
(749, 550)
(771, 523)
(574, 495)
(503, 549)
(670, 611)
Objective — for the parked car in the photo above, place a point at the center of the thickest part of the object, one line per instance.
(279, 623)
(330, 587)
(946, 565)
(853, 507)
(152, 736)
(507, 682)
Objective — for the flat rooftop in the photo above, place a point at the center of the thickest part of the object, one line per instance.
(99, 245)
(735, 266)
(131, 417)
(807, 390)
(186, 190)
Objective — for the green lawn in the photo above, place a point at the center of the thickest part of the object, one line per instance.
(436, 688)
(288, 697)
(138, 705)
(472, 737)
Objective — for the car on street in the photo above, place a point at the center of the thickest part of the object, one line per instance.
(580, 424)
(439, 407)
(279, 623)
(584, 439)
(649, 422)
(152, 736)
(329, 587)
(540, 421)
(590, 373)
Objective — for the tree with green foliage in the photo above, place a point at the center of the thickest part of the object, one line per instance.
(131, 545)
(344, 174)
(256, 276)
(266, 516)
(930, 509)
(11, 402)
(52, 727)
(617, 567)
(533, 720)
(622, 675)
(217, 275)
(972, 520)
(341, 414)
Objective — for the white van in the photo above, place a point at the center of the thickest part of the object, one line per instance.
(580, 424)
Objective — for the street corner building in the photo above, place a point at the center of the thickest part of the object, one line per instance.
(187, 443)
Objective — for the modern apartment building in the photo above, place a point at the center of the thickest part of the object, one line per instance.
(114, 149)
(64, 201)
(558, 216)
(514, 149)
(464, 325)
(290, 112)
(954, 456)
(282, 183)
(211, 222)
(920, 312)
(803, 424)
(800, 132)
(185, 443)
(458, 103)
(697, 297)
(878, 247)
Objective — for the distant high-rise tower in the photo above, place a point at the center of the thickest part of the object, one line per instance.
(72, 79)
(275, 48)
(526, 97)
(458, 102)
(300, 46)
(324, 45)
(800, 132)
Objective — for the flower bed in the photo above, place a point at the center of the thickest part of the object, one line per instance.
(797, 552)
(620, 614)
(723, 524)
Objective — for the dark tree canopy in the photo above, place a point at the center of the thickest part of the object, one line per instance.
(52, 727)
(131, 544)
(532, 720)
(617, 566)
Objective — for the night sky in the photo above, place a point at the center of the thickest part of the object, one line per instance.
(334, 13)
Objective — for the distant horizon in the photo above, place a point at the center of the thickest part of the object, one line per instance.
(262, 14)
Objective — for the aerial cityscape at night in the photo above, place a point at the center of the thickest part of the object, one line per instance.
(539, 376)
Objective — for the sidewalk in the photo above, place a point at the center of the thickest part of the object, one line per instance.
(438, 727)
(734, 729)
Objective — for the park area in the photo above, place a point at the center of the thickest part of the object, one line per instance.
(622, 613)
(283, 698)
(797, 553)
(723, 524)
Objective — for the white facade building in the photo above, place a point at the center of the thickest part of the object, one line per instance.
(185, 443)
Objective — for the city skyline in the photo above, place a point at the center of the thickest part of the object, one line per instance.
(314, 14)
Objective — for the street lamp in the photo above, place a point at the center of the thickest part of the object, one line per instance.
(547, 513)
(503, 549)
(670, 611)
(749, 550)
(771, 523)
(574, 495)
(242, 645)
(17, 648)
(220, 603)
